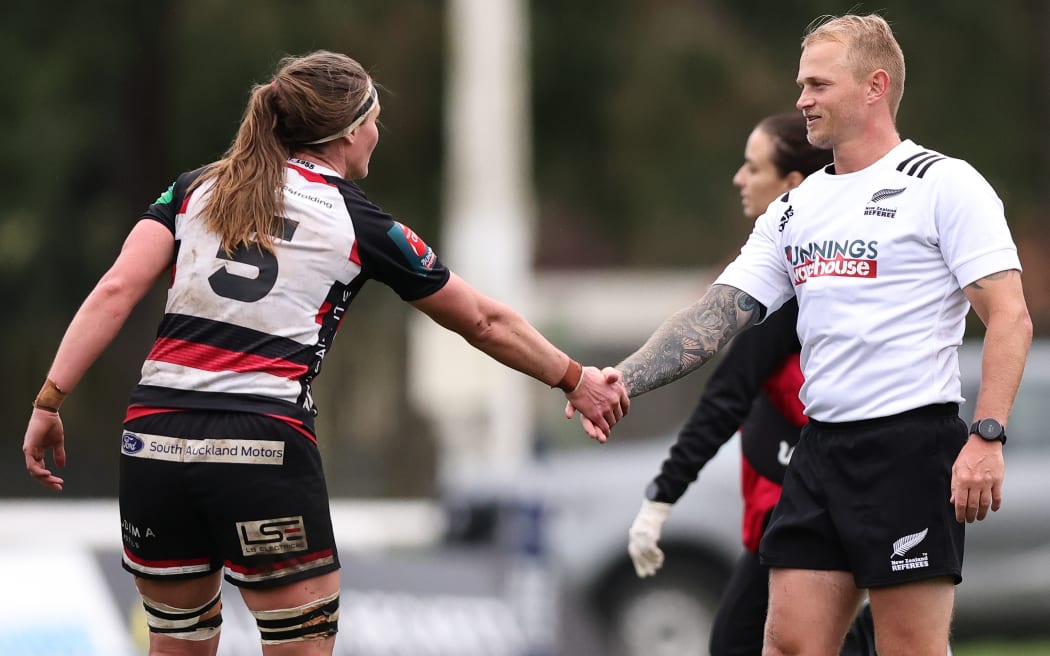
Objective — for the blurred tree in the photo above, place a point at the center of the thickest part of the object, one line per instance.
(642, 109)
(101, 125)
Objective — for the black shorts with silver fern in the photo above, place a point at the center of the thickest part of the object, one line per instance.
(233, 491)
(872, 497)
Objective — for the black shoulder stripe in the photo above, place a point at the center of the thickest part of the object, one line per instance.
(930, 163)
(922, 160)
(920, 163)
(900, 167)
(784, 198)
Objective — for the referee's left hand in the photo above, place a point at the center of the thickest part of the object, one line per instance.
(977, 479)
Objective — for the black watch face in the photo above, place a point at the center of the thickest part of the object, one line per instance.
(990, 429)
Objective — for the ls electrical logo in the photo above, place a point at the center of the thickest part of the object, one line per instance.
(278, 535)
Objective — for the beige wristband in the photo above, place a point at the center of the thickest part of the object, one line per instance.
(50, 397)
(572, 378)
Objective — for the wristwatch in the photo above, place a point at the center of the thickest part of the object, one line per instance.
(989, 429)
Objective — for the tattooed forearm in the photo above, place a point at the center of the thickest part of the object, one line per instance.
(976, 284)
(689, 338)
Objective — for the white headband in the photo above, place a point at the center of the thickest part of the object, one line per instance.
(360, 114)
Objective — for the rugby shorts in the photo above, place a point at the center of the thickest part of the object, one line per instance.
(872, 497)
(203, 491)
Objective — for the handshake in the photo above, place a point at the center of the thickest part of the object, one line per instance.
(602, 399)
(600, 396)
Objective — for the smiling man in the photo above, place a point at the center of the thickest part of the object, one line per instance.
(886, 251)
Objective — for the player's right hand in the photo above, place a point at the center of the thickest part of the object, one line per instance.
(644, 537)
(601, 400)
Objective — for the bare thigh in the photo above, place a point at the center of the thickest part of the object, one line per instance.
(809, 611)
(913, 618)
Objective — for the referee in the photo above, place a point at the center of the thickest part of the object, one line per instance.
(886, 251)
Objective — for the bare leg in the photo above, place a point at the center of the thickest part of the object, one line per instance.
(913, 618)
(809, 611)
(291, 596)
(182, 594)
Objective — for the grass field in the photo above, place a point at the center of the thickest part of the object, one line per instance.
(983, 648)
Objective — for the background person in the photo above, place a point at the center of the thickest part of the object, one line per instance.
(220, 470)
(886, 251)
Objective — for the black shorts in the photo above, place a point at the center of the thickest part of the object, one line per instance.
(200, 491)
(872, 498)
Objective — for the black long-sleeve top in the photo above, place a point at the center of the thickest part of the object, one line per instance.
(750, 389)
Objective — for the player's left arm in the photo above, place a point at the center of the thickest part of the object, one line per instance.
(998, 299)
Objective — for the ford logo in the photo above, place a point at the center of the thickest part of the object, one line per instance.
(131, 443)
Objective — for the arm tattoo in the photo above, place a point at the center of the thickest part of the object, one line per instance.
(976, 284)
(689, 338)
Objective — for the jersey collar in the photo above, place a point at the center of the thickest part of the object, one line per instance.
(313, 167)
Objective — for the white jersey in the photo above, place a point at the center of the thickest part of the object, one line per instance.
(878, 259)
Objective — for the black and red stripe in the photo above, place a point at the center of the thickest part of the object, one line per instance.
(212, 345)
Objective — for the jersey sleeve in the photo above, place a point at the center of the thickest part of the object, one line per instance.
(760, 268)
(727, 400)
(970, 225)
(391, 252)
(167, 206)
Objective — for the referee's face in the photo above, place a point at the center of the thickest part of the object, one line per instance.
(832, 97)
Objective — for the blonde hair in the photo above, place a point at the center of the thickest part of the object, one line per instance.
(310, 98)
(870, 45)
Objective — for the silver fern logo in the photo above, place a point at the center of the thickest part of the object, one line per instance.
(874, 209)
(883, 194)
(901, 547)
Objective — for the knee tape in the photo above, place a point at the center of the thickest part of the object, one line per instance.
(184, 623)
(313, 621)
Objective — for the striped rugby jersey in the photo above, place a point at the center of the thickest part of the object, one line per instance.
(249, 331)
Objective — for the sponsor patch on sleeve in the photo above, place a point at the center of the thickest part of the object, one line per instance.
(166, 197)
(418, 255)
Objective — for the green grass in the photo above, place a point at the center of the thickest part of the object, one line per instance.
(992, 648)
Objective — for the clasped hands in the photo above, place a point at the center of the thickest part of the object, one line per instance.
(601, 400)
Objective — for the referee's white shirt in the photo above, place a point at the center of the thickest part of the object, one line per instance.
(878, 259)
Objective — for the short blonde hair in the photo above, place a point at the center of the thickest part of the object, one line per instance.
(870, 45)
